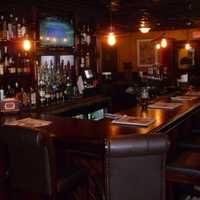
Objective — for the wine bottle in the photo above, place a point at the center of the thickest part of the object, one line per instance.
(4, 29)
(1, 28)
(88, 37)
(10, 29)
(6, 58)
(87, 59)
(23, 28)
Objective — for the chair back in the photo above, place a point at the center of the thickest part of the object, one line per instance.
(135, 167)
(31, 158)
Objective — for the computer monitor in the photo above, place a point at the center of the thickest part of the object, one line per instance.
(88, 74)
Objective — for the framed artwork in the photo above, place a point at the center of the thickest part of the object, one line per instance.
(146, 53)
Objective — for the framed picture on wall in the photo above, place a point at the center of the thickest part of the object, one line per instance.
(146, 53)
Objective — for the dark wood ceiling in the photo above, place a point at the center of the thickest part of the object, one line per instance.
(126, 14)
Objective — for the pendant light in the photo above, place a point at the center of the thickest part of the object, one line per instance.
(111, 35)
(187, 45)
(163, 42)
(144, 26)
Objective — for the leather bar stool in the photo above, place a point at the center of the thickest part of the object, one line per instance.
(33, 166)
(184, 170)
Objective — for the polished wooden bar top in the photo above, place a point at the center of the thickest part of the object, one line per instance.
(82, 130)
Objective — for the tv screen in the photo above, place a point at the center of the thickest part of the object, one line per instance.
(56, 32)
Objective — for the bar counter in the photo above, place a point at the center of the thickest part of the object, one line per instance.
(91, 141)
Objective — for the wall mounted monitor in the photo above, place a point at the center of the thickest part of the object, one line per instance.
(55, 32)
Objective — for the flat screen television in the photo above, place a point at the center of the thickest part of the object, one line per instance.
(55, 32)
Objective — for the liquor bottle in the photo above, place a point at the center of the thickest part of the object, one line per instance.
(82, 61)
(88, 37)
(10, 28)
(1, 63)
(144, 97)
(83, 35)
(27, 64)
(11, 66)
(23, 28)
(19, 29)
(19, 68)
(47, 95)
(1, 28)
(9, 92)
(42, 92)
(17, 92)
(14, 27)
(6, 59)
(87, 59)
(1, 93)
(1, 69)
(4, 29)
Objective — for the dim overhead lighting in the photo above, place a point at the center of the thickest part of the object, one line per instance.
(144, 26)
(144, 29)
(26, 45)
(157, 46)
(188, 46)
(41, 38)
(163, 42)
(47, 38)
(65, 39)
(111, 36)
(111, 39)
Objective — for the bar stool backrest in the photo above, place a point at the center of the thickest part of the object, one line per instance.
(31, 158)
(135, 167)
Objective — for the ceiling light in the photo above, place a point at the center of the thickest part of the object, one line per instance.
(158, 46)
(144, 29)
(188, 46)
(111, 39)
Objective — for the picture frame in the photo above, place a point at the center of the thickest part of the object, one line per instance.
(146, 53)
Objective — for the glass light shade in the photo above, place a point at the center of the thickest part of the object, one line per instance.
(187, 46)
(26, 45)
(144, 29)
(111, 39)
(157, 46)
(163, 43)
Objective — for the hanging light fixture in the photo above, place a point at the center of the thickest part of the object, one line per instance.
(157, 46)
(144, 26)
(163, 42)
(111, 35)
(187, 45)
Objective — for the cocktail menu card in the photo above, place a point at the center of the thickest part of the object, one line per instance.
(193, 93)
(28, 123)
(164, 105)
(184, 98)
(134, 121)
